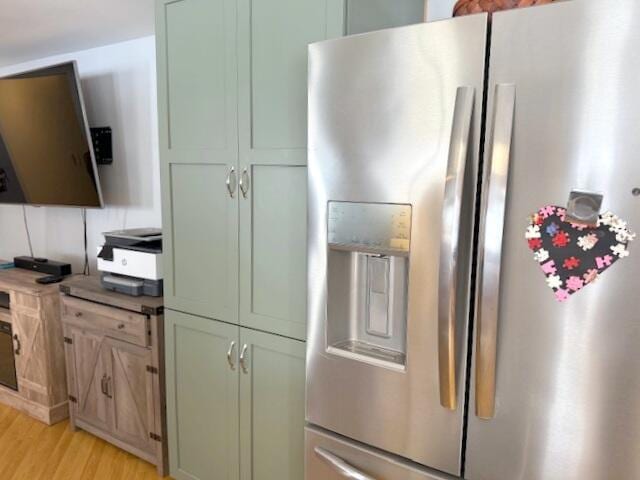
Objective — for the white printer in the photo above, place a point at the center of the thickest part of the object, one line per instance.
(130, 261)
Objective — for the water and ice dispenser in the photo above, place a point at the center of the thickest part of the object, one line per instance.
(368, 269)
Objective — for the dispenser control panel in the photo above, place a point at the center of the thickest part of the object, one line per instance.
(370, 226)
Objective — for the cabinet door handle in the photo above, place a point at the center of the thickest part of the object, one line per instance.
(230, 361)
(245, 182)
(109, 387)
(103, 385)
(243, 357)
(18, 347)
(78, 314)
(231, 182)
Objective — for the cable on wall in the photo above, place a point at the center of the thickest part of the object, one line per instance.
(86, 270)
(26, 228)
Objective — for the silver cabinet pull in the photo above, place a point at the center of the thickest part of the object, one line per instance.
(245, 182)
(231, 182)
(18, 346)
(243, 358)
(230, 361)
(490, 249)
(451, 214)
(343, 468)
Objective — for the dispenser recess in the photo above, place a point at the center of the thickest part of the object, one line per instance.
(368, 264)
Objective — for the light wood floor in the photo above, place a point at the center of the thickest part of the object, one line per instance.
(29, 450)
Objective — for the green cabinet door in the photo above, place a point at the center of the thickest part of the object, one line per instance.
(272, 73)
(368, 15)
(272, 385)
(197, 103)
(202, 398)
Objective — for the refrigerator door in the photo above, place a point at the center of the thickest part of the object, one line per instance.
(563, 115)
(394, 129)
(329, 457)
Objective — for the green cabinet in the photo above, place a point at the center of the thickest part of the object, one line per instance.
(232, 83)
(202, 398)
(368, 15)
(272, 385)
(235, 401)
(197, 106)
(232, 87)
(273, 37)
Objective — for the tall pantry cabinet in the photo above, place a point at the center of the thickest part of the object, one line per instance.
(232, 81)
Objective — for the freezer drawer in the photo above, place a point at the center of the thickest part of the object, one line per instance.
(329, 457)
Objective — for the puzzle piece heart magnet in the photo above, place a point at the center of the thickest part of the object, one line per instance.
(573, 255)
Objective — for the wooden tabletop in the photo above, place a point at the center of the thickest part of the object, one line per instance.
(89, 288)
(24, 281)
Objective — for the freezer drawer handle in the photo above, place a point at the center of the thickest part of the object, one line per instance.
(451, 213)
(490, 250)
(343, 468)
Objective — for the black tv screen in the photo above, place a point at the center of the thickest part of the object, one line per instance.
(46, 155)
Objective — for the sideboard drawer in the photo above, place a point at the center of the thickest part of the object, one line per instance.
(121, 324)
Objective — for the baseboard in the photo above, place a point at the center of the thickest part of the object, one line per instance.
(47, 415)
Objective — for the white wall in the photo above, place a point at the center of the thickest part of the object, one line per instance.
(439, 9)
(119, 83)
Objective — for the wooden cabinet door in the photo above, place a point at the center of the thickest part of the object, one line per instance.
(272, 73)
(39, 352)
(197, 95)
(130, 388)
(31, 348)
(272, 386)
(89, 375)
(202, 397)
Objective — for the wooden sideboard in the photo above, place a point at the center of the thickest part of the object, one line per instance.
(38, 347)
(114, 347)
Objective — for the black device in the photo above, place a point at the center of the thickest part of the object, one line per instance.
(102, 145)
(49, 279)
(43, 265)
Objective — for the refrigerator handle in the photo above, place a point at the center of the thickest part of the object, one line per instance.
(451, 214)
(490, 250)
(343, 468)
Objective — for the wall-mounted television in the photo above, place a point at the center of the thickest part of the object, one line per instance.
(46, 153)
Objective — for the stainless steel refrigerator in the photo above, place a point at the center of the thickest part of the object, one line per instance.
(436, 346)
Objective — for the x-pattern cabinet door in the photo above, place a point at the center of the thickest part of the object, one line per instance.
(130, 388)
(272, 72)
(88, 377)
(197, 98)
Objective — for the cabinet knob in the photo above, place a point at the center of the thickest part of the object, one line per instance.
(78, 314)
(120, 326)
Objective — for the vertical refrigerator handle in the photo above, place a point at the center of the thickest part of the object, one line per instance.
(490, 250)
(448, 270)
